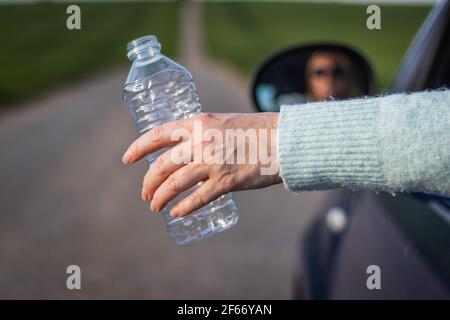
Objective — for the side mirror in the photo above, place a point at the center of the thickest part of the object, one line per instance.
(311, 73)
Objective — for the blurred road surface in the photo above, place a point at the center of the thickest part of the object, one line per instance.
(67, 199)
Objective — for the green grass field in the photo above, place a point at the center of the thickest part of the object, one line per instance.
(38, 51)
(243, 34)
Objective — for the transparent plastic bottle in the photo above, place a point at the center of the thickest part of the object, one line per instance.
(157, 91)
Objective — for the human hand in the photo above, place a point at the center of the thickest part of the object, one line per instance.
(228, 152)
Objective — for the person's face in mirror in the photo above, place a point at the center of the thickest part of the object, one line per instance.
(328, 76)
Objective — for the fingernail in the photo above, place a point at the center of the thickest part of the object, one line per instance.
(144, 195)
(174, 212)
(126, 157)
(154, 208)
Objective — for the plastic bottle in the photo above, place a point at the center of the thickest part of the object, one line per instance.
(157, 91)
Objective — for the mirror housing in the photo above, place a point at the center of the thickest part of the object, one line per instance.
(298, 74)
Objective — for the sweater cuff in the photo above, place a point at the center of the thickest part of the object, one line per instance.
(325, 145)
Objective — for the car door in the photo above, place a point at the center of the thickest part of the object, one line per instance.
(402, 239)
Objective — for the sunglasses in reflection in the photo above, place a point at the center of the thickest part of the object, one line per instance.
(335, 72)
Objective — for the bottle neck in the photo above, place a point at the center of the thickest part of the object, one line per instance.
(144, 48)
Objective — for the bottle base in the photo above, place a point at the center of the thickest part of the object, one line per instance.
(203, 223)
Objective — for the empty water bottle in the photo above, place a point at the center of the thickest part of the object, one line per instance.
(157, 91)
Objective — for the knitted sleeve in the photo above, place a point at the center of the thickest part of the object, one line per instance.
(390, 143)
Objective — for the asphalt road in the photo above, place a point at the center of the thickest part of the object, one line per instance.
(67, 199)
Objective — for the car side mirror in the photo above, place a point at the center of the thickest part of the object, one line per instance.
(310, 73)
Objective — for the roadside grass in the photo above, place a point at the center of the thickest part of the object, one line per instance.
(244, 34)
(38, 51)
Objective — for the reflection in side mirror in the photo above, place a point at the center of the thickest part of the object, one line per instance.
(311, 73)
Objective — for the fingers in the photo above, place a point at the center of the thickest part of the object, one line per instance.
(166, 135)
(207, 192)
(164, 166)
(179, 181)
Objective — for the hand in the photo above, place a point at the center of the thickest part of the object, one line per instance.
(228, 152)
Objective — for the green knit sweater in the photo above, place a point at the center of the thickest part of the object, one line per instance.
(391, 143)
